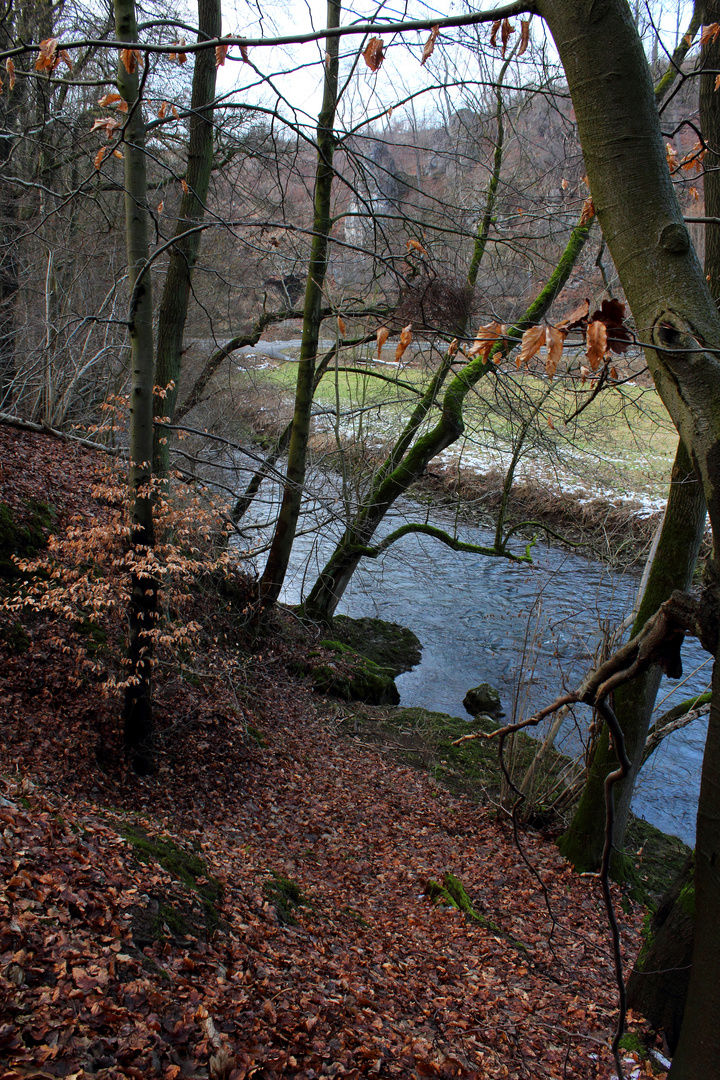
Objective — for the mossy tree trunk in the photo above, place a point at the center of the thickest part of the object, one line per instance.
(143, 600)
(183, 256)
(672, 565)
(672, 568)
(612, 94)
(273, 576)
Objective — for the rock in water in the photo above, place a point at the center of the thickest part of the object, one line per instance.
(483, 700)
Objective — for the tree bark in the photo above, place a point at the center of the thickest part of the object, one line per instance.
(271, 581)
(672, 568)
(678, 322)
(143, 600)
(183, 256)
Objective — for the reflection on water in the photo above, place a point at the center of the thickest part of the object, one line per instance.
(529, 630)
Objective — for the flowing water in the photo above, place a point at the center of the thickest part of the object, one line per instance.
(530, 631)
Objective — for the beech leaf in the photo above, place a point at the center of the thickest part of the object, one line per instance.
(373, 54)
(382, 335)
(405, 339)
(524, 36)
(532, 342)
(430, 44)
(596, 343)
(554, 341)
(486, 337)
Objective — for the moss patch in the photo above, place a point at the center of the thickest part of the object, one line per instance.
(385, 643)
(285, 896)
(185, 867)
(656, 858)
(453, 893)
(23, 534)
(338, 670)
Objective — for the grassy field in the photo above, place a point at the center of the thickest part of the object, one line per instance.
(621, 444)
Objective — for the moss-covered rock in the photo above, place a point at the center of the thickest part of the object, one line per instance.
(385, 643)
(348, 675)
(483, 700)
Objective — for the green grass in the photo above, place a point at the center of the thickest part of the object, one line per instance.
(622, 443)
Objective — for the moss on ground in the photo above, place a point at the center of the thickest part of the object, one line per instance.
(285, 896)
(453, 893)
(23, 535)
(348, 675)
(182, 865)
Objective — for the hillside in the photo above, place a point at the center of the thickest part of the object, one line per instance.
(260, 906)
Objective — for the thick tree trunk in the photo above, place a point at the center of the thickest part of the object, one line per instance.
(271, 581)
(678, 321)
(143, 600)
(176, 293)
(672, 568)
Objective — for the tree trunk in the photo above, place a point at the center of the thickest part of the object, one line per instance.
(658, 983)
(672, 568)
(183, 255)
(279, 557)
(143, 600)
(678, 321)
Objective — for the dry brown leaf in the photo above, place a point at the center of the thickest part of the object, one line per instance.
(576, 317)
(532, 342)
(694, 193)
(132, 59)
(118, 154)
(554, 341)
(588, 211)
(109, 99)
(382, 335)
(64, 55)
(10, 68)
(709, 33)
(415, 245)
(162, 111)
(341, 326)
(486, 337)
(405, 339)
(161, 207)
(221, 52)
(373, 54)
(717, 82)
(671, 156)
(180, 56)
(453, 347)
(524, 36)
(174, 111)
(505, 31)
(613, 373)
(47, 59)
(493, 32)
(184, 186)
(109, 125)
(596, 343)
(550, 422)
(100, 155)
(430, 44)
(564, 184)
(244, 54)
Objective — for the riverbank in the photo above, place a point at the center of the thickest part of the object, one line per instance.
(261, 905)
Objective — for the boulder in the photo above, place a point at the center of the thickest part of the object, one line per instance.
(483, 700)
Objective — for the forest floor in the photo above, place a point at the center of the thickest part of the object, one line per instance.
(259, 906)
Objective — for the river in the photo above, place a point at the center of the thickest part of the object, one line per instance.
(531, 631)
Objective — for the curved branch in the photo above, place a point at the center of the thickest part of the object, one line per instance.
(437, 534)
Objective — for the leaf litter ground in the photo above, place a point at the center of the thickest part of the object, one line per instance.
(321, 955)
